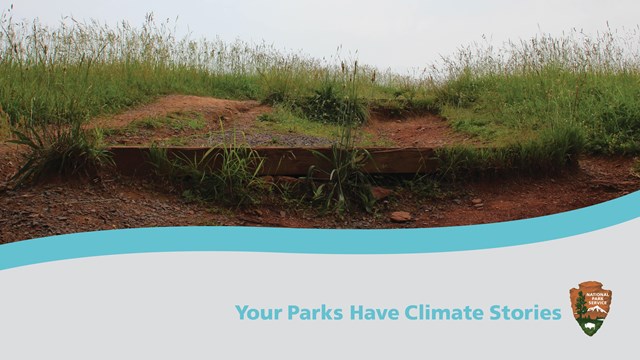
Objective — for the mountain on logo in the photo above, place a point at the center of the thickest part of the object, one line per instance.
(596, 309)
(591, 305)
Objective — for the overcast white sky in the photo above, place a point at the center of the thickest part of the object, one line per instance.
(400, 34)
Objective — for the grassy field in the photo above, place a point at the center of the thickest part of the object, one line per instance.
(79, 70)
(538, 103)
(575, 83)
(75, 71)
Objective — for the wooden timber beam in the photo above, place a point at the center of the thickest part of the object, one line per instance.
(134, 160)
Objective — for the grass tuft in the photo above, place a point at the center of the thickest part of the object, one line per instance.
(328, 105)
(59, 150)
(344, 184)
(227, 174)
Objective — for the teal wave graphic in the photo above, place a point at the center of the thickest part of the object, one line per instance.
(321, 241)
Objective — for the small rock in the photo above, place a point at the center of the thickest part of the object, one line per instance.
(380, 193)
(400, 217)
(283, 213)
(457, 201)
(258, 212)
(476, 201)
(479, 206)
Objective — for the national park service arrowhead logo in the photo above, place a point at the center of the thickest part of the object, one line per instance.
(591, 304)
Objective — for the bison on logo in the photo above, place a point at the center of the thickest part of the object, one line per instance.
(591, 304)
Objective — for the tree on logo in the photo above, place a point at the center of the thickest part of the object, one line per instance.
(581, 305)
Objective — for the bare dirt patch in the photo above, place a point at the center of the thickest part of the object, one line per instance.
(415, 131)
(597, 180)
(182, 120)
(242, 112)
(222, 120)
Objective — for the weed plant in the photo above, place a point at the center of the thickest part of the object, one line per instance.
(345, 183)
(328, 105)
(60, 150)
(227, 174)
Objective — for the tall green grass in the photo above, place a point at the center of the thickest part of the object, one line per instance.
(77, 70)
(540, 100)
(344, 184)
(513, 93)
(551, 151)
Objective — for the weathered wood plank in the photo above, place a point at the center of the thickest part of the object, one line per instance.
(131, 160)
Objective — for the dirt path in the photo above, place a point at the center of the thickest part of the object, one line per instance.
(213, 122)
(241, 116)
(415, 131)
(243, 113)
